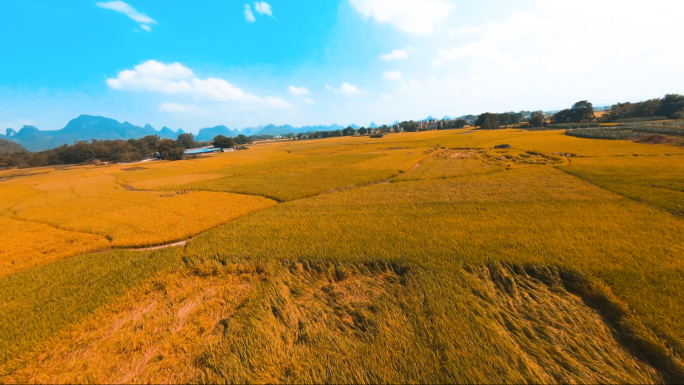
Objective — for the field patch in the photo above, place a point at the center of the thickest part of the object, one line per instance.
(173, 181)
(516, 158)
(27, 244)
(10, 195)
(137, 219)
(39, 302)
(450, 163)
(654, 180)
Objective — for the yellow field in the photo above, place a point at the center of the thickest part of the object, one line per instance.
(89, 201)
(26, 244)
(421, 257)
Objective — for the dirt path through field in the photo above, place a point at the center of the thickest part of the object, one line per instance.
(181, 243)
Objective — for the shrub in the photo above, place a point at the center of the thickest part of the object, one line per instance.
(572, 125)
(643, 119)
(658, 130)
(604, 133)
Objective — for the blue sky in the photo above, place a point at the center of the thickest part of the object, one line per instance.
(199, 64)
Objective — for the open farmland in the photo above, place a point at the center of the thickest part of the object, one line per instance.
(417, 257)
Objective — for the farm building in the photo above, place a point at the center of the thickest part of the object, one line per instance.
(202, 151)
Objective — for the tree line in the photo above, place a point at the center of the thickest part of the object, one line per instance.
(670, 107)
(115, 151)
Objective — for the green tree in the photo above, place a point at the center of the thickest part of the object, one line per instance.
(582, 112)
(349, 131)
(362, 131)
(564, 116)
(671, 105)
(242, 139)
(186, 140)
(488, 121)
(537, 119)
(170, 150)
(222, 141)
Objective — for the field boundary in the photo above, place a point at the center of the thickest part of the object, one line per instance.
(673, 213)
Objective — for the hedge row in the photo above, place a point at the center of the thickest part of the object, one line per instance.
(572, 125)
(645, 119)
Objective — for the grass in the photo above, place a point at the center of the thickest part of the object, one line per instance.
(540, 263)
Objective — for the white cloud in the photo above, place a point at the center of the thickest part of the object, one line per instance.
(309, 101)
(392, 75)
(547, 54)
(179, 108)
(387, 97)
(466, 31)
(348, 89)
(263, 8)
(345, 89)
(298, 91)
(249, 16)
(557, 45)
(176, 79)
(219, 90)
(395, 55)
(416, 17)
(279, 103)
(121, 7)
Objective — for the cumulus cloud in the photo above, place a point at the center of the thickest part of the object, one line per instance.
(416, 17)
(521, 51)
(309, 101)
(249, 16)
(121, 7)
(274, 102)
(263, 8)
(176, 79)
(345, 89)
(545, 55)
(392, 75)
(298, 91)
(395, 55)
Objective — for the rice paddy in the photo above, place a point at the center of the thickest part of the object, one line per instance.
(422, 257)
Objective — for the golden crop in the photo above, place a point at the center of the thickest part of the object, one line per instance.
(418, 257)
(89, 201)
(28, 244)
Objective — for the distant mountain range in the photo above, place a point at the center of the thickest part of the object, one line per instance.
(86, 128)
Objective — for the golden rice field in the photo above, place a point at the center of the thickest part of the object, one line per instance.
(422, 257)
